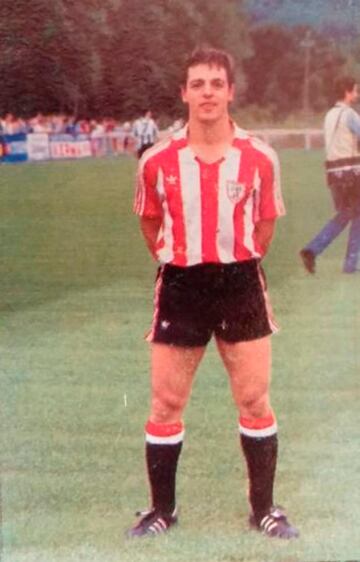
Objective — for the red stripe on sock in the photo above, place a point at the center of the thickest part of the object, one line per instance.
(259, 423)
(164, 429)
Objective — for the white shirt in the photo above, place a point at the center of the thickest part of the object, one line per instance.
(145, 131)
(342, 131)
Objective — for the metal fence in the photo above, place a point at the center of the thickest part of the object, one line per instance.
(23, 147)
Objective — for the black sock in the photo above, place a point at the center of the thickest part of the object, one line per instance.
(162, 463)
(261, 456)
(163, 447)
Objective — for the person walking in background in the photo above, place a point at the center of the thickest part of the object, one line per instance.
(342, 132)
(208, 198)
(145, 132)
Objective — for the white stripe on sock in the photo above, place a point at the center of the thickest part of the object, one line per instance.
(265, 432)
(169, 440)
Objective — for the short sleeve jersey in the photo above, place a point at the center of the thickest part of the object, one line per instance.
(208, 212)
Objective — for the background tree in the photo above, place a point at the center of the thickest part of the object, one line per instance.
(49, 54)
(276, 70)
(114, 57)
(147, 42)
(121, 57)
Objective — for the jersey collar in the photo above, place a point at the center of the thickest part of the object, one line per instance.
(182, 134)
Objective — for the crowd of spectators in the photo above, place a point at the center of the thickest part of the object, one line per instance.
(61, 124)
(107, 136)
(68, 124)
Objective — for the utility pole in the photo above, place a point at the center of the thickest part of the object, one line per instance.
(307, 43)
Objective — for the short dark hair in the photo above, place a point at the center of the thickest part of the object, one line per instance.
(343, 85)
(212, 57)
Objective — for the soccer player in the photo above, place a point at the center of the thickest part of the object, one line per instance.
(342, 131)
(208, 198)
(145, 132)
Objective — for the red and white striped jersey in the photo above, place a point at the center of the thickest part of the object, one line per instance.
(208, 211)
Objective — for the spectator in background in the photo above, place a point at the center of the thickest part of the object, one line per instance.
(69, 125)
(127, 132)
(12, 125)
(83, 127)
(57, 124)
(342, 132)
(6, 124)
(97, 129)
(40, 124)
(145, 132)
(109, 124)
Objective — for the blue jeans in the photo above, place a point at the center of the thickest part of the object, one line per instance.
(331, 230)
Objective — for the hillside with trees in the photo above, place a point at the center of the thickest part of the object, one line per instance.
(335, 18)
(119, 57)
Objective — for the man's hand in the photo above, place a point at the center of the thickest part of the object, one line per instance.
(150, 228)
(264, 232)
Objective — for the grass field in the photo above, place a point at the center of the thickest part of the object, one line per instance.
(76, 300)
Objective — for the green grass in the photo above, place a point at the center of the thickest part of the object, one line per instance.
(76, 300)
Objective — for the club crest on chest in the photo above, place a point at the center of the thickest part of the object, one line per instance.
(235, 190)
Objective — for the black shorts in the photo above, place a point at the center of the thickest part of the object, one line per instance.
(228, 300)
(142, 149)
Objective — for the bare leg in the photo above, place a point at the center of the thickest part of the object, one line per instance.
(248, 365)
(172, 373)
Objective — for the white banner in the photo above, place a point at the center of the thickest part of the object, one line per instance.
(38, 146)
(70, 149)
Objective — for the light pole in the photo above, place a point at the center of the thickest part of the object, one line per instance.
(306, 43)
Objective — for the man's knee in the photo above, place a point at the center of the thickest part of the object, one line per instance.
(255, 405)
(167, 407)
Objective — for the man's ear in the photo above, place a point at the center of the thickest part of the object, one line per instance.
(183, 94)
(231, 92)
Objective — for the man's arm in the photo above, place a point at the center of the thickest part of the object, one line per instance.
(150, 229)
(353, 122)
(264, 232)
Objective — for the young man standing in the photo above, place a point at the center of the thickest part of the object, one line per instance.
(208, 199)
(342, 133)
(145, 132)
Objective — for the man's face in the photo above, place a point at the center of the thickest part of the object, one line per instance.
(207, 92)
(355, 94)
(352, 96)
